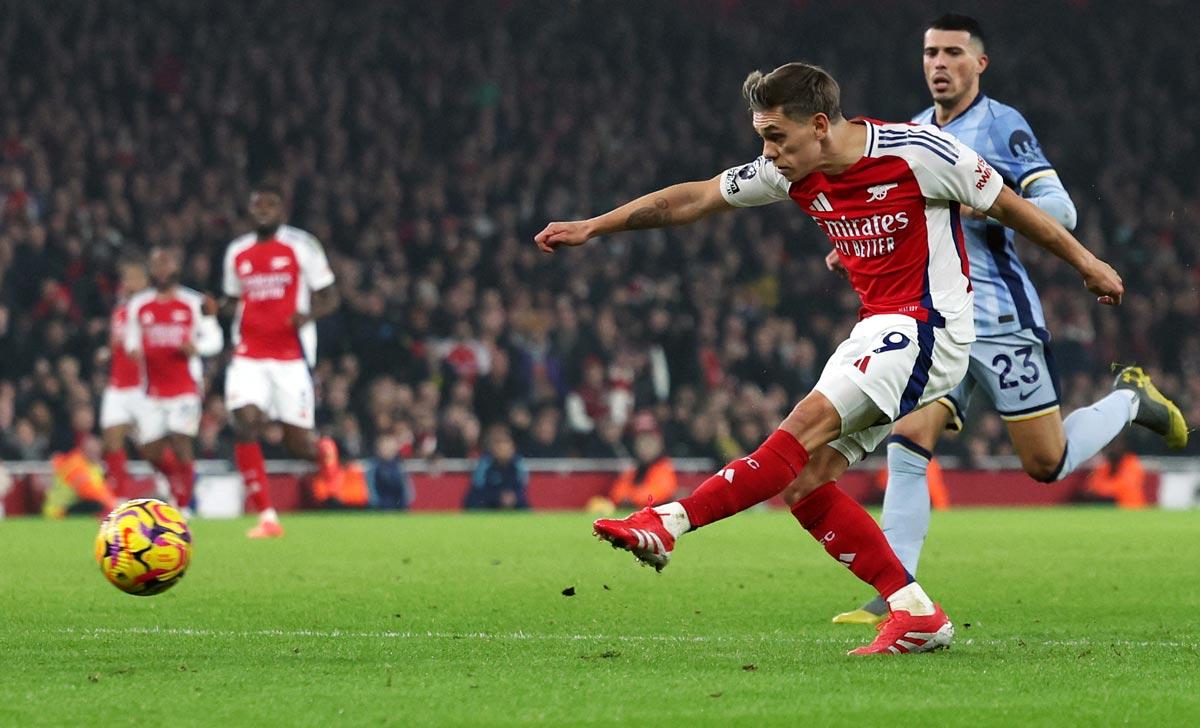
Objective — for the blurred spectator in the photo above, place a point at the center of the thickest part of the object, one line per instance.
(338, 485)
(500, 478)
(391, 488)
(78, 485)
(652, 479)
(1119, 479)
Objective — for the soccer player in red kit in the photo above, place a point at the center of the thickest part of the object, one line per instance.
(283, 284)
(888, 198)
(123, 395)
(169, 327)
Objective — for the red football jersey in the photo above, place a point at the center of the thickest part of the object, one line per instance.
(123, 371)
(893, 218)
(159, 326)
(274, 279)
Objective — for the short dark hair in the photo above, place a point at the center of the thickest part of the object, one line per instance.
(268, 187)
(799, 89)
(954, 21)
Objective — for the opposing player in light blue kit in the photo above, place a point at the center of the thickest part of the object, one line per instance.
(1010, 359)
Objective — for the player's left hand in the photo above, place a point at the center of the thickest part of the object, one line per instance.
(562, 233)
(1101, 279)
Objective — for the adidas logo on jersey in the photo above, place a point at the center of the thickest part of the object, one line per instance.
(821, 203)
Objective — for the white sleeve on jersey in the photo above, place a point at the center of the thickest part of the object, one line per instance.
(949, 170)
(133, 324)
(314, 266)
(754, 184)
(207, 336)
(231, 285)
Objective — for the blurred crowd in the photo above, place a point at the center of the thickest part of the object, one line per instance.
(425, 144)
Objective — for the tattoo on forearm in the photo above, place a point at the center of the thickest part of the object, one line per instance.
(650, 217)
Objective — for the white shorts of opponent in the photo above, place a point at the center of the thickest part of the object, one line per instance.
(891, 365)
(119, 407)
(283, 390)
(162, 416)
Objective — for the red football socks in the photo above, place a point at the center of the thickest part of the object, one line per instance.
(249, 459)
(167, 463)
(182, 480)
(851, 536)
(117, 465)
(747, 482)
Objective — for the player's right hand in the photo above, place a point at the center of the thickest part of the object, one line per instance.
(208, 306)
(1106, 283)
(562, 233)
(834, 263)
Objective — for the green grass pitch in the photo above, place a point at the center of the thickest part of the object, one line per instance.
(1064, 616)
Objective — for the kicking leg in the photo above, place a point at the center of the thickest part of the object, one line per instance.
(650, 534)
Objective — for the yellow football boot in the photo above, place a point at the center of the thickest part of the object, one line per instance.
(1155, 412)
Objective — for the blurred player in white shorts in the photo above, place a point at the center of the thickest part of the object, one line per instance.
(123, 394)
(282, 282)
(169, 328)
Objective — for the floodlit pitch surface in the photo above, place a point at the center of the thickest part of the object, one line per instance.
(1065, 617)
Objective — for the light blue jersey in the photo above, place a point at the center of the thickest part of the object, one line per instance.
(1005, 299)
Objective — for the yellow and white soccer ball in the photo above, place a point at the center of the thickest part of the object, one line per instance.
(144, 546)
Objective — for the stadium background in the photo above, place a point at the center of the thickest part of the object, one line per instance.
(425, 143)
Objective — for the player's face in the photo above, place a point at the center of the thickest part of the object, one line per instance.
(953, 63)
(793, 146)
(266, 209)
(164, 267)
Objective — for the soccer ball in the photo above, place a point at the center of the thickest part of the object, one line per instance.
(144, 547)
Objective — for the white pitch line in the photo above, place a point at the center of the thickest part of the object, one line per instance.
(534, 636)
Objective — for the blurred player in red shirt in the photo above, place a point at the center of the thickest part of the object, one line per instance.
(123, 395)
(283, 284)
(169, 327)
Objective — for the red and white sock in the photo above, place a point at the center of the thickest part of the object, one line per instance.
(249, 460)
(116, 463)
(744, 483)
(851, 536)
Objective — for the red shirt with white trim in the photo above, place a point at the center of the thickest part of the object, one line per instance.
(123, 370)
(893, 218)
(275, 278)
(159, 325)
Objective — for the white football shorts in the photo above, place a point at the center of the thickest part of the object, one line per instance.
(283, 390)
(119, 407)
(162, 416)
(891, 365)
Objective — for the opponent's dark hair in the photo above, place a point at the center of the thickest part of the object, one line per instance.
(799, 89)
(954, 21)
(268, 187)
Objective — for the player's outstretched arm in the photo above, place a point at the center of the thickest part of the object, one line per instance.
(675, 205)
(1046, 232)
(324, 302)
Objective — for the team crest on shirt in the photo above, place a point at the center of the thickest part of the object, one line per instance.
(179, 316)
(879, 192)
(279, 262)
